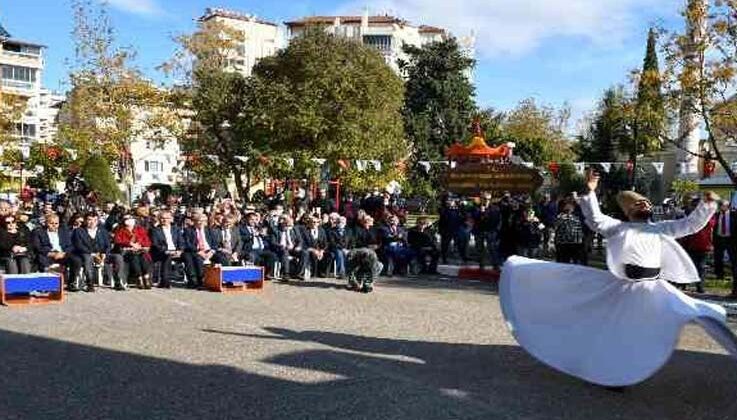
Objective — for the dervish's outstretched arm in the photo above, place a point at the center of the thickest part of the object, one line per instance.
(694, 222)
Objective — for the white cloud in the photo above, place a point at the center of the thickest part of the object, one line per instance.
(140, 7)
(518, 27)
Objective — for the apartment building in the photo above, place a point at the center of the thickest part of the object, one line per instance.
(22, 65)
(261, 38)
(388, 34)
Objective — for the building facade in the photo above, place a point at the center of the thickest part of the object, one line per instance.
(261, 38)
(22, 64)
(388, 34)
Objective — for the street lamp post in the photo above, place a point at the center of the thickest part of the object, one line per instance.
(25, 153)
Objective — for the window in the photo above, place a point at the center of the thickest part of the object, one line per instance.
(25, 130)
(22, 49)
(153, 166)
(380, 42)
(18, 73)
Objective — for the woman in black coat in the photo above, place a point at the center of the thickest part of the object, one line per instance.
(15, 247)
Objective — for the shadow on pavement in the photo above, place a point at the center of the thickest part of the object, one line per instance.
(381, 379)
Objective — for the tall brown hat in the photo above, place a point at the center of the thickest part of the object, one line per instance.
(627, 200)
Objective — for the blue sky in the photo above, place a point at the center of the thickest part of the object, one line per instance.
(554, 50)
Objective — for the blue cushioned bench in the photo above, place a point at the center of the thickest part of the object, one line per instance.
(26, 289)
(234, 279)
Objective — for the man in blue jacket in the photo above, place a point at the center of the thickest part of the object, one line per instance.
(92, 245)
(52, 244)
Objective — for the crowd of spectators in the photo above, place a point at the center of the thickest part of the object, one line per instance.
(159, 242)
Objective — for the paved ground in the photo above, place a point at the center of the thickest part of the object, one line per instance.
(414, 349)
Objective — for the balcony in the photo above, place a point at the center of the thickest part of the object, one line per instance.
(19, 87)
(23, 54)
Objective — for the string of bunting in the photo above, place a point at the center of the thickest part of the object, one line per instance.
(426, 165)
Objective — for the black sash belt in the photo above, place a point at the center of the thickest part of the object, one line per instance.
(636, 272)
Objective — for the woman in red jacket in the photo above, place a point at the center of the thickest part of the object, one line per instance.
(698, 246)
(133, 243)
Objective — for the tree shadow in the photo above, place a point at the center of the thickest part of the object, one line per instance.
(315, 284)
(409, 282)
(377, 378)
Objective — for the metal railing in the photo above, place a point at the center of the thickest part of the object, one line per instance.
(17, 84)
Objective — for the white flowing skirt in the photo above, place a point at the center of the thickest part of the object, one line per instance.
(592, 325)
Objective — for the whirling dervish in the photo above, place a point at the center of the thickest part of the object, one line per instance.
(618, 327)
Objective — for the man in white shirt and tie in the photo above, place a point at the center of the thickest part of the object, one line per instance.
(167, 244)
(199, 250)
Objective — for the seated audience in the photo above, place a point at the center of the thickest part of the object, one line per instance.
(167, 245)
(133, 243)
(52, 244)
(286, 243)
(15, 247)
(91, 244)
(425, 248)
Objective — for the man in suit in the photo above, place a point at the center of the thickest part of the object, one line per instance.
(394, 245)
(363, 265)
(725, 240)
(286, 243)
(167, 246)
(52, 244)
(314, 244)
(423, 243)
(255, 246)
(200, 249)
(339, 239)
(91, 244)
(231, 244)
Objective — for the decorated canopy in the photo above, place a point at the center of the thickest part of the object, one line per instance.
(481, 168)
(478, 148)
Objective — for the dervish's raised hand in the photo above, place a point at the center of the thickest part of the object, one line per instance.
(592, 179)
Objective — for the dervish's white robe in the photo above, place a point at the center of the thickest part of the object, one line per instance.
(599, 325)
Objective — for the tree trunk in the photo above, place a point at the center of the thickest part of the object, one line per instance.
(247, 192)
(238, 174)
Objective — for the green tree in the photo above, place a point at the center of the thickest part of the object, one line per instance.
(110, 103)
(609, 129)
(333, 98)
(650, 117)
(11, 109)
(217, 101)
(439, 101)
(538, 132)
(99, 178)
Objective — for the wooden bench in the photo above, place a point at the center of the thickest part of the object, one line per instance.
(234, 279)
(31, 289)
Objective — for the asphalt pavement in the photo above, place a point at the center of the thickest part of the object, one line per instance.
(413, 349)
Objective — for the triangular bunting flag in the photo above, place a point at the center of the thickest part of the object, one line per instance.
(580, 167)
(659, 167)
(425, 164)
(606, 166)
